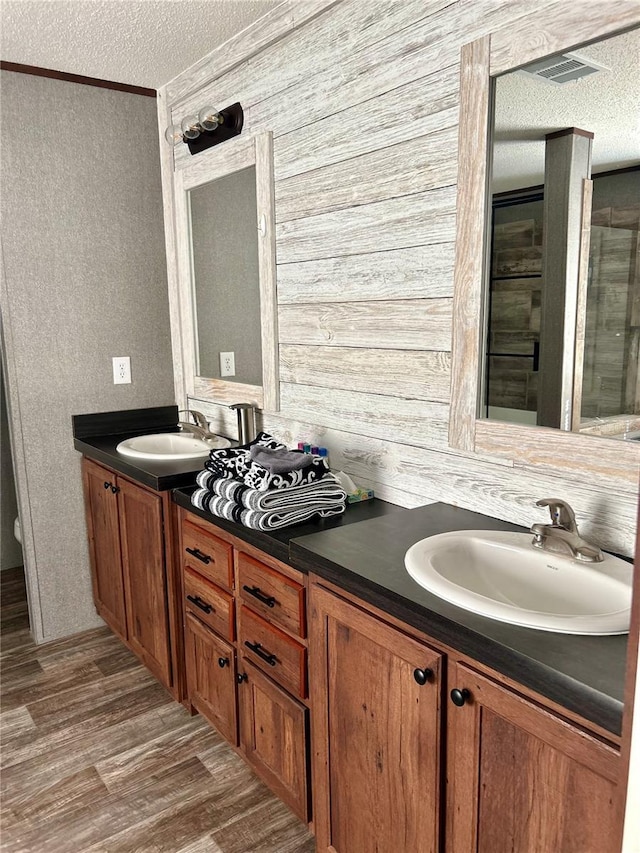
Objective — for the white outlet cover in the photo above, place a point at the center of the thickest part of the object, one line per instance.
(121, 370)
(227, 364)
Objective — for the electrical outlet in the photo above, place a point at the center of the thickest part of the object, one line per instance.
(121, 370)
(227, 364)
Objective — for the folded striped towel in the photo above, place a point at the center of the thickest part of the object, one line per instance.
(258, 520)
(321, 494)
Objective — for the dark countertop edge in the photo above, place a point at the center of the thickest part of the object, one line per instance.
(159, 481)
(276, 543)
(603, 710)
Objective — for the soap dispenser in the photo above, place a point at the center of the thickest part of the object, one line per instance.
(246, 421)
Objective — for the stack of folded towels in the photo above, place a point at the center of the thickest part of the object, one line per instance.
(265, 486)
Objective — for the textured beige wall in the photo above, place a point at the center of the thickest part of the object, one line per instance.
(10, 550)
(85, 280)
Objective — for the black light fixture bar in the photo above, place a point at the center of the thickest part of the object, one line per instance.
(232, 121)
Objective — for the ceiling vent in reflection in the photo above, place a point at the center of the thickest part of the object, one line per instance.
(563, 68)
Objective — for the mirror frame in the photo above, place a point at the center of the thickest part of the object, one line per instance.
(556, 451)
(218, 162)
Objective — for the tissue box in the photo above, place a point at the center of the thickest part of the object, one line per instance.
(360, 495)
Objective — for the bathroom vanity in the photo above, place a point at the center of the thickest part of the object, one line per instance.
(385, 717)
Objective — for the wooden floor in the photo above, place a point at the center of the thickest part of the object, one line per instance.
(96, 756)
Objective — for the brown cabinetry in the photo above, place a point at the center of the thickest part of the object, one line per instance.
(376, 700)
(131, 567)
(252, 689)
(520, 776)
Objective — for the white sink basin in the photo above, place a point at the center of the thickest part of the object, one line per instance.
(170, 446)
(502, 576)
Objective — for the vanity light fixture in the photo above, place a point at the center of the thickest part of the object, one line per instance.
(209, 127)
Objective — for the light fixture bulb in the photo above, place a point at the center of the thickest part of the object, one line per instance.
(190, 127)
(173, 134)
(209, 118)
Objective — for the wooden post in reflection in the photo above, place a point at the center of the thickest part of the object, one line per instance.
(581, 303)
(567, 165)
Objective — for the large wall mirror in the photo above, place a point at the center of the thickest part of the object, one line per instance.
(536, 167)
(562, 281)
(226, 270)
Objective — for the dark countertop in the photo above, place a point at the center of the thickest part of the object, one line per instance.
(276, 542)
(584, 674)
(97, 436)
(363, 552)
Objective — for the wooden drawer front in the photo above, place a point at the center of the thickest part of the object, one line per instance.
(278, 598)
(209, 604)
(211, 677)
(207, 555)
(274, 652)
(273, 736)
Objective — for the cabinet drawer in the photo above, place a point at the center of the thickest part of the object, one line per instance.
(210, 604)
(274, 652)
(278, 598)
(208, 555)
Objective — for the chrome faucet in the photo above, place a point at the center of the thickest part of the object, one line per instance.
(199, 427)
(561, 536)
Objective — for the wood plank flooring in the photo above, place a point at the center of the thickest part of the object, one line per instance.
(98, 758)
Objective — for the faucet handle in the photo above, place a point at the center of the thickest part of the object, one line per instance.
(561, 513)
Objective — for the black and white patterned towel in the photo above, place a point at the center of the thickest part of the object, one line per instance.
(321, 494)
(236, 463)
(256, 519)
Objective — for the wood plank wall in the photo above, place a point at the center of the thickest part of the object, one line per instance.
(362, 100)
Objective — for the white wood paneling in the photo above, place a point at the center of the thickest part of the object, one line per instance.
(418, 324)
(419, 219)
(363, 102)
(399, 170)
(415, 422)
(394, 373)
(409, 273)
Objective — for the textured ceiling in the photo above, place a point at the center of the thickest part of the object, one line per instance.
(139, 42)
(605, 103)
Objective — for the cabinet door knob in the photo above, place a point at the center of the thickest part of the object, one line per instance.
(242, 676)
(115, 489)
(422, 675)
(459, 697)
(106, 485)
(222, 662)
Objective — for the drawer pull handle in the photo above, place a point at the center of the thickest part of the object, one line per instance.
(106, 485)
(200, 602)
(222, 662)
(257, 649)
(204, 558)
(256, 592)
(459, 697)
(422, 675)
(242, 676)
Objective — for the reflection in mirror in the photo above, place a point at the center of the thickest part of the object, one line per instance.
(562, 336)
(225, 276)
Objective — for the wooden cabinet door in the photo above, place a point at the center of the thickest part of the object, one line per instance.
(143, 562)
(211, 677)
(103, 528)
(273, 737)
(375, 734)
(523, 779)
